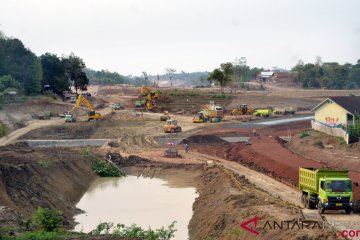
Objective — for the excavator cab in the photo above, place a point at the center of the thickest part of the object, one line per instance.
(91, 114)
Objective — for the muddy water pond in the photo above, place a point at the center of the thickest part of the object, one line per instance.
(146, 201)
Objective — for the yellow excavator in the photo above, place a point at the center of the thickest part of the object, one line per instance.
(91, 114)
(151, 96)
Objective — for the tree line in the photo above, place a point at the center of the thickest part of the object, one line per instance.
(233, 72)
(22, 71)
(105, 77)
(330, 75)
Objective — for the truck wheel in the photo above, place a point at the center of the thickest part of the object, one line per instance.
(320, 208)
(303, 198)
(306, 201)
(348, 211)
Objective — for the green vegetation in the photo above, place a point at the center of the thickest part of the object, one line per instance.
(135, 232)
(48, 220)
(319, 143)
(182, 94)
(44, 163)
(341, 141)
(4, 130)
(25, 73)
(102, 167)
(304, 134)
(222, 75)
(330, 75)
(105, 77)
(222, 96)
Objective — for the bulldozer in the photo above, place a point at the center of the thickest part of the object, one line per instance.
(91, 114)
(243, 109)
(171, 126)
(151, 97)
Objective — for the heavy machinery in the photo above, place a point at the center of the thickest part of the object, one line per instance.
(69, 117)
(91, 114)
(165, 116)
(263, 112)
(150, 95)
(284, 110)
(171, 126)
(117, 106)
(210, 112)
(326, 189)
(243, 109)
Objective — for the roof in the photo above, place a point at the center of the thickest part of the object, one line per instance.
(266, 74)
(350, 103)
(281, 74)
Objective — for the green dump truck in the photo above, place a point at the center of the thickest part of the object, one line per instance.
(326, 189)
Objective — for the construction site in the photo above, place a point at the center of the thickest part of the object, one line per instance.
(232, 163)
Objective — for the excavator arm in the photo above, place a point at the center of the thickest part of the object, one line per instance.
(83, 100)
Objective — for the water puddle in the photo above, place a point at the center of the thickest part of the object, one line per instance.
(147, 202)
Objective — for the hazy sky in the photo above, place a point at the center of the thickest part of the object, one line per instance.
(131, 36)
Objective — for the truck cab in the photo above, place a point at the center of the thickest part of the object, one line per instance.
(326, 189)
(335, 194)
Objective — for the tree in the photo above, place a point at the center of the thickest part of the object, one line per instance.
(8, 81)
(54, 73)
(21, 64)
(146, 78)
(170, 73)
(222, 75)
(74, 68)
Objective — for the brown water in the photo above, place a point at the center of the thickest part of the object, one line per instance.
(147, 202)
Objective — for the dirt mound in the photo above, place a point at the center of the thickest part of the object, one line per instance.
(207, 139)
(222, 206)
(52, 178)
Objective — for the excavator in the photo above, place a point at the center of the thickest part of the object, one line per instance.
(91, 114)
(151, 97)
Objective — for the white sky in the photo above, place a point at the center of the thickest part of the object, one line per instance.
(130, 36)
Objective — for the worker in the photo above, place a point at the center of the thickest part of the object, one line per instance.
(187, 147)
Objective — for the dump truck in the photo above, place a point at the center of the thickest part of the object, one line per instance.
(284, 110)
(210, 112)
(263, 112)
(326, 189)
(171, 126)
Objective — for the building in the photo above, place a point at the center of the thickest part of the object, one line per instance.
(265, 76)
(335, 114)
(338, 111)
(281, 77)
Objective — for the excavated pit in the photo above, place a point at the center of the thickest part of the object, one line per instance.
(58, 178)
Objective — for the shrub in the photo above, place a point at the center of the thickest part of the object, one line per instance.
(354, 132)
(105, 169)
(4, 130)
(135, 232)
(102, 167)
(49, 220)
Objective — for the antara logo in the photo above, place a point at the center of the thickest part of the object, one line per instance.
(253, 221)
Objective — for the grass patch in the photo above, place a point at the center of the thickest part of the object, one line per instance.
(44, 163)
(102, 167)
(4, 130)
(341, 141)
(221, 96)
(304, 134)
(183, 94)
